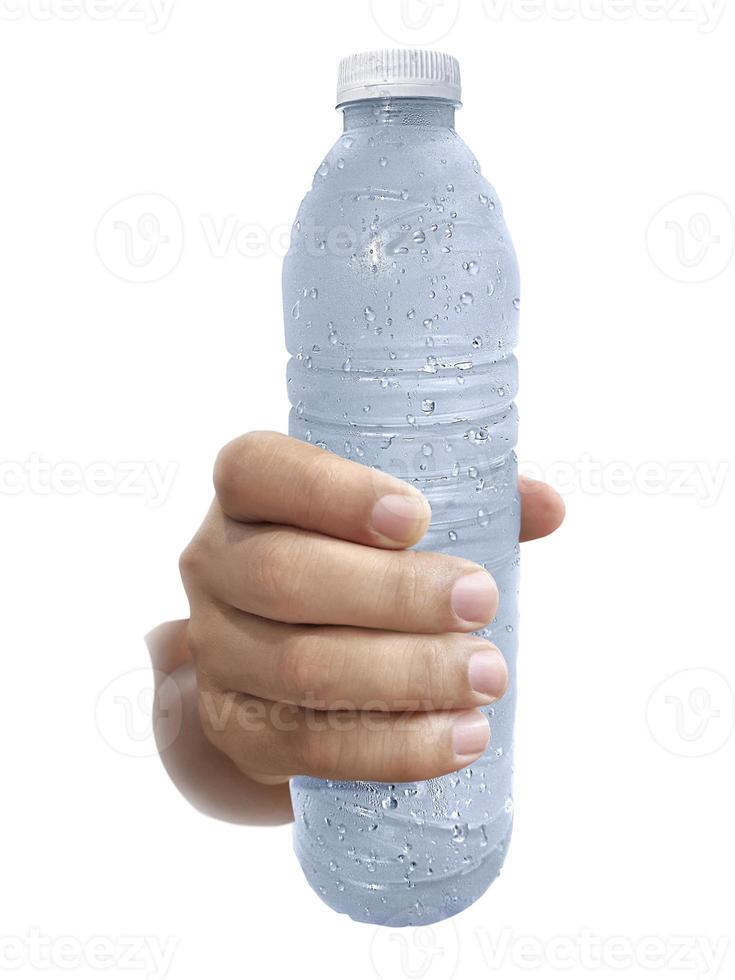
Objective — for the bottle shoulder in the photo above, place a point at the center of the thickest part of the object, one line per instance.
(400, 245)
(398, 163)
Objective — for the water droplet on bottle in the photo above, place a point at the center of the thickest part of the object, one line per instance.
(477, 342)
(411, 314)
(428, 406)
(452, 535)
(459, 833)
(296, 309)
(323, 169)
(366, 408)
(369, 314)
(471, 267)
(419, 237)
(428, 323)
(467, 299)
(389, 803)
(383, 161)
(516, 304)
(427, 449)
(300, 408)
(411, 419)
(483, 518)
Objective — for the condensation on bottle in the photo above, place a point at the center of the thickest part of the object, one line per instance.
(401, 305)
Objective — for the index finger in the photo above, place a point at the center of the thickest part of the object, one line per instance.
(268, 477)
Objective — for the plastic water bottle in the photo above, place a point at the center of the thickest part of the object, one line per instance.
(401, 300)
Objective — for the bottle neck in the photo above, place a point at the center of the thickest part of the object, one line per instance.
(399, 112)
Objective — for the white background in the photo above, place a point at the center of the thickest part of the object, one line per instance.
(589, 120)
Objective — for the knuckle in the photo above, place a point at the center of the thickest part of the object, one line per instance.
(401, 754)
(305, 669)
(272, 555)
(404, 585)
(202, 646)
(322, 752)
(428, 666)
(235, 458)
(193, 561)
(323, 485)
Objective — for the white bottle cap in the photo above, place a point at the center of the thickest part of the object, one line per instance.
(406, 74)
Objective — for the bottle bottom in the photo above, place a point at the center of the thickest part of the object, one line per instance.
(426, 901)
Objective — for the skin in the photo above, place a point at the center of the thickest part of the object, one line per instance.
(317, 644)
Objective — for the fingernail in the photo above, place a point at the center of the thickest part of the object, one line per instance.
(470, 734)
(475, 598)
(488, 673)
(398, 516)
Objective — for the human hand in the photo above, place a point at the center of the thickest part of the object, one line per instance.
(322, 646)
